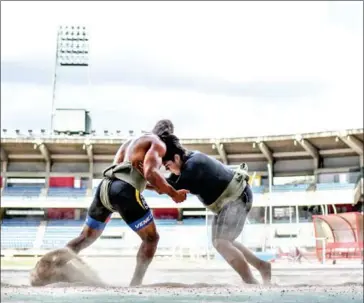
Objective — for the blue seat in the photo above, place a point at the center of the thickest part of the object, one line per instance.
(18, 233)
(334, 186)
(66, 192)
(290, 187)
(22, 191)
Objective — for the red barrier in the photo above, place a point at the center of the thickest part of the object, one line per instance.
(61, 181)
(165, 213)
(60, 213)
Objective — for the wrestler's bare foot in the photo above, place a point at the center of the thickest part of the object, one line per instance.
(266, 272)
(252, 281)
(135, 282)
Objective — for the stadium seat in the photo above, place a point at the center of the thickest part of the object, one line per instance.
(194, 222)
(59, 232)
(68, 192)
(22, 191)
(258, 189)
(116, 223)
(18, 233)
(290, 187)
(334, 186)
(166, 222)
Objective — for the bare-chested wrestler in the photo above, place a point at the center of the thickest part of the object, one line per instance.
(137, 162)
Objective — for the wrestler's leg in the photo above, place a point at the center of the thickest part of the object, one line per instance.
(147, 249)
(63, 265)
(134, 210)
(242, 211)
(235, 259)
(227, 225)
(264, 268)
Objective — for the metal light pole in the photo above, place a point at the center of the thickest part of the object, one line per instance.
(72, 51)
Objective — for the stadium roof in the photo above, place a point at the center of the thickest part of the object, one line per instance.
(65, 148)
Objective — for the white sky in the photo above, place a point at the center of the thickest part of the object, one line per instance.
(214, 68)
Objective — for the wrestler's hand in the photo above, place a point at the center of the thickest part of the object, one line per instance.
(180, 196)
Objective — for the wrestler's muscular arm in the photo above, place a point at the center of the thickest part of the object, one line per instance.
(151, 165)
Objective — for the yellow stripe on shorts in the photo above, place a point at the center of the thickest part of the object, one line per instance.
(137, 196)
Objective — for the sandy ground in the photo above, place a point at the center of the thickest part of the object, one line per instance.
(195, 281)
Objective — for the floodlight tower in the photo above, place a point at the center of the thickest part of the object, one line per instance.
(72, 51)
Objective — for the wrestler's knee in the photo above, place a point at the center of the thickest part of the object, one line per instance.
(220, 244)
(151, 238)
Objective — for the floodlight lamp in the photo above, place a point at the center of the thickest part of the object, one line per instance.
(106, 132)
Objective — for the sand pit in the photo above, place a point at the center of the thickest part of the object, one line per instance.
(181, 281)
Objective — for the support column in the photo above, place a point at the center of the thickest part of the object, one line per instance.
(4, 169)
(314, 153)
(4, 166)
(269, 156)
(88, 147)
(45, 153)
(356, 145)
(221, 151)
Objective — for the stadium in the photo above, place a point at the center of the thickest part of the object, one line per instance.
(308, 199)
(306, 219)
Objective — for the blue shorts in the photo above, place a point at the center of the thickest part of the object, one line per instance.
(126, 200)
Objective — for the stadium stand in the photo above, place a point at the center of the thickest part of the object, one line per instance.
(331, 180)
(58, 232)
(22, 191)
(334, 186)
(66, 192)
(290, 187)
(18, 233)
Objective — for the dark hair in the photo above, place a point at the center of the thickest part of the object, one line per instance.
(174, 147)
(163, 128)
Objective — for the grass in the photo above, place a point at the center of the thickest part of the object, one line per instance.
(15, 262)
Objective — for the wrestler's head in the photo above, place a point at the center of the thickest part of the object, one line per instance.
(174, 157)
(163, 128)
